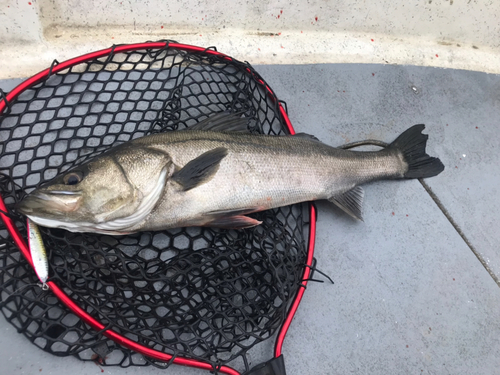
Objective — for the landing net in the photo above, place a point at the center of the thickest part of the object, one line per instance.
(199, 294)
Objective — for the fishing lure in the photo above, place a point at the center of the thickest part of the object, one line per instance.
(38, 253)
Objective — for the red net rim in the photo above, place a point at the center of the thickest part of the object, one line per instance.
(65, 299)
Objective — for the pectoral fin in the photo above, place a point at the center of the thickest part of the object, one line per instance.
(201, 169)
(351, 202)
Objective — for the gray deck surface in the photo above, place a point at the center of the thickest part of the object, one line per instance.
(410, 295)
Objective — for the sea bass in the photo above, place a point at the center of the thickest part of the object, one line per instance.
(215, 174)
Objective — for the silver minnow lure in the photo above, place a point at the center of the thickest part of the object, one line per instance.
(38, 253)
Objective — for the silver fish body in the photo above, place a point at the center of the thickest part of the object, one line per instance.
(215, 178)
(262, 172)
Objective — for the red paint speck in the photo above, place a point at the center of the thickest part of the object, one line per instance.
(373, 74)
(202, 19)
(282, 47)
(343, 90)
(393, 213)
(406, 345)
(200, 34)
(29, 3)
(477, 127)
(162, 27)
(278, 16)
(279, 33)
(372, 40)
(259, 49)
(406, 215)
(453, 279)
(437, 55)
(112, 37)
(316, 18)
(456, 167)
(301, 31)
(281, 11)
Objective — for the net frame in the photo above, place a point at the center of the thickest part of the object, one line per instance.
(64, 298)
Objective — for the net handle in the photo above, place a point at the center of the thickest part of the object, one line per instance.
(63, 297)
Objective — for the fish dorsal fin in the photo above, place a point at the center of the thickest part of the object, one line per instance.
(306, 136)
(223, 122)
(351, 202)
(200, 170)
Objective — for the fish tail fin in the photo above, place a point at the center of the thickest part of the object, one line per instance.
(412, 145)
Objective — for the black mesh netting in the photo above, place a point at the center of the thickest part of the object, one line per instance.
(198, 293)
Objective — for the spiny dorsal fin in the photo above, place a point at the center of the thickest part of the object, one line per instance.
(351, 202)
(223, 122)
(201, 169)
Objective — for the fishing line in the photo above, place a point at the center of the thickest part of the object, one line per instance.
(369, 142)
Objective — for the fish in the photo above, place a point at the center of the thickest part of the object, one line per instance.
(215, 174)
(38, 252)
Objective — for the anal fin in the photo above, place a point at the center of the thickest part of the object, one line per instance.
(351, 202)
(233, 222)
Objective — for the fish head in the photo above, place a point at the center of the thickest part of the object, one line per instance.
(109, 194)
(89, 193)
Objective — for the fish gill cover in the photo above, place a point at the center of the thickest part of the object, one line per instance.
(198, 293)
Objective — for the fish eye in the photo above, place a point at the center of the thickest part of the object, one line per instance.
(73, 178)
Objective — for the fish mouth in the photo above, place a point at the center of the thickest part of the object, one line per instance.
(49, 202)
